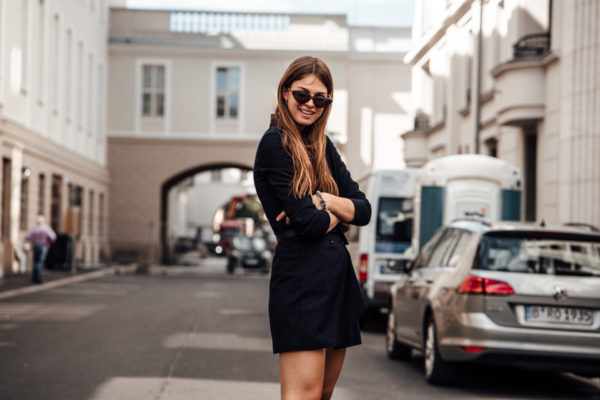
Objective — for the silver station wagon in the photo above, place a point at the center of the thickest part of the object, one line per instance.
(514, 294)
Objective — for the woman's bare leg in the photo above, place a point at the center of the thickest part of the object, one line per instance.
(302, 374)
(334, 360)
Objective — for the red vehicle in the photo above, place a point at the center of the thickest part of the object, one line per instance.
(228, 230)
(231, 226)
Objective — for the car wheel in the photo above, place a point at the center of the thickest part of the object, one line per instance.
(395, 350)
(437, 371)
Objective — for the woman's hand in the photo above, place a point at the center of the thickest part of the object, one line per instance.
(341, 207)
(281, 216)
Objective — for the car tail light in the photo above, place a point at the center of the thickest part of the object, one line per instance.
(479, 285)
(472, 349)
(363, 267)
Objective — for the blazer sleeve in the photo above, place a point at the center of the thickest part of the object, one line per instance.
(276, 166)
(349, 189)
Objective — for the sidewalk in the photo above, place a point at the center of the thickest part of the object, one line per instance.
(16, 284)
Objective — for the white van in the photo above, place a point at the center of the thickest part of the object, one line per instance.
(380, 249)
(465, 185)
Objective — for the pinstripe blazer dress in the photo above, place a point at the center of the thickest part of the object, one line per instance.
(314, 297)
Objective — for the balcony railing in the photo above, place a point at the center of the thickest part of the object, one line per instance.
(532, 46)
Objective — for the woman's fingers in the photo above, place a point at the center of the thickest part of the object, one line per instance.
(316, 201)
(280, 216)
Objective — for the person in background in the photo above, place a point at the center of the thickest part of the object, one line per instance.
(41, 236)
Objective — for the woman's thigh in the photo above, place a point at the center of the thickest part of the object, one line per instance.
(334, 360)
(302, 374)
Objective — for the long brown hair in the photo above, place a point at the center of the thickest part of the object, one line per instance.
(306, 148)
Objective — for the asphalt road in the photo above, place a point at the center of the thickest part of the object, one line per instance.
(197, 333)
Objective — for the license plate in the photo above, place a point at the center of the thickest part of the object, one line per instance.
(251, 261)
(559, 315)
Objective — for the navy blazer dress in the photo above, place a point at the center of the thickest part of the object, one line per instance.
(314, 297)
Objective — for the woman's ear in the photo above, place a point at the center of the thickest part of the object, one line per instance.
(285, 95)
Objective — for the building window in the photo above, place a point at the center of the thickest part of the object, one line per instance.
(40, 49)
(101, 215)
(228, 84)
(153, 96)
(79, 87)
(492, 147)
(41, 194)
(25, 173)
(55, 62)
(24, 45)
(68, 75)
(91, 96)
(91, 214)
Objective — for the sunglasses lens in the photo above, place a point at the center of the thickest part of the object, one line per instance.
(320, 102)
(301, 97)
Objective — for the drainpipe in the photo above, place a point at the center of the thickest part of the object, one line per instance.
(478, 80)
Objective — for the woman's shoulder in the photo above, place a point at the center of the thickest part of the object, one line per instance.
(271, 139)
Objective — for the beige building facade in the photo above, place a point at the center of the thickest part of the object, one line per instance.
(193, 91)
(529, 96)
(53, 63)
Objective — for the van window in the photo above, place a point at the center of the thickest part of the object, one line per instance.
(394, 222)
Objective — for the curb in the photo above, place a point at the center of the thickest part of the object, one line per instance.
(66, 281)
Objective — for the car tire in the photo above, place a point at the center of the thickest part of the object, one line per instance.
(437, 371)
(394, 349)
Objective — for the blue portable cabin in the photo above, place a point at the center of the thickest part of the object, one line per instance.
(465, 185)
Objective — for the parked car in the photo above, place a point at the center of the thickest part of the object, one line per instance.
(513, 294)
(248, 252)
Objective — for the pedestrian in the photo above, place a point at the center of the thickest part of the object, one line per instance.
(308, 195)
(41, 236)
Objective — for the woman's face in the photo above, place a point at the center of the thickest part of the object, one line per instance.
(305, 114)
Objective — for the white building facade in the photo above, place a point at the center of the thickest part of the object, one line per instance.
(207, 81)
(53, 63)
(530, 96)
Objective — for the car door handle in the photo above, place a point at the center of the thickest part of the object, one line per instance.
(412, 280)
(429, 280)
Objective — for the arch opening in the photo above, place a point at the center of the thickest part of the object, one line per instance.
(191, 198)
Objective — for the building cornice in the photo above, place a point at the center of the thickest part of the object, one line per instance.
(43, 148)
(427, 41)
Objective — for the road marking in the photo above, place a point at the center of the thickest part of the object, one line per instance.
(46, 311)
(8, 326)
(127, 388)
(236, 311)
(217, 341)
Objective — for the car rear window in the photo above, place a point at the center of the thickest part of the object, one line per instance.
(552, 253)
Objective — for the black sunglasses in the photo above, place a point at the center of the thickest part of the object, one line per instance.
(318, 100)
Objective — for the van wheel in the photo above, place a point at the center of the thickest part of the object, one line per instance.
(437, 371)
(394, 349)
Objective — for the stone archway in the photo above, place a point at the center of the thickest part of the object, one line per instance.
(164, 199)
(141, 169)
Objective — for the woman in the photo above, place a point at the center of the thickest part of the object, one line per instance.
(307, 194)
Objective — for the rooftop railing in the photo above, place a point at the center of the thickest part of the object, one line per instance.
(534, 45)
(225, 23)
